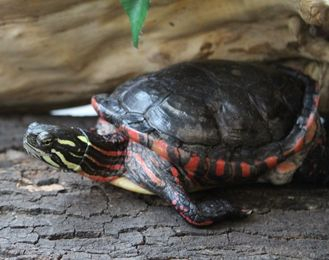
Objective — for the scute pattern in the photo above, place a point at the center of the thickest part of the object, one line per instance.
(203, 103)
(170, 118)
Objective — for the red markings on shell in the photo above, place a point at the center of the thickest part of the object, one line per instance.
(271, 161)
(220, 167)
(312, 127)
(245, 169)
(286, 167)
(193, 164)
(299, 144)
(95, 104)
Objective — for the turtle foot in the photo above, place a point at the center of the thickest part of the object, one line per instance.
(219, 209)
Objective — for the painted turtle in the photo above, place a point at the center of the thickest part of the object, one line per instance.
(192, 126)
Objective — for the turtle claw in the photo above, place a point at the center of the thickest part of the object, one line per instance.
(237, 213)
(245, 212)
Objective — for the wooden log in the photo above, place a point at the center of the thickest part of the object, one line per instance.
(59, 53)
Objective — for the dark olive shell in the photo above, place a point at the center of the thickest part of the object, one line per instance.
(210, 103)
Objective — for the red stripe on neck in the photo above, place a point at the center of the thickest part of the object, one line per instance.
(114, 167)
(110, 152)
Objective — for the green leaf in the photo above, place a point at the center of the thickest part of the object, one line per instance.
(137, 12)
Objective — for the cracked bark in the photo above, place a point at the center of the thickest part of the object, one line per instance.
(46, 214)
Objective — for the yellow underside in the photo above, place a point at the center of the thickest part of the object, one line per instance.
(126, 184)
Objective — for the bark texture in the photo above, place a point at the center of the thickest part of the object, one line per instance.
(46, 214)
(59, 53)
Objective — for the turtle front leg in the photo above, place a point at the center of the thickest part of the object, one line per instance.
(158, 176)
(201, 213)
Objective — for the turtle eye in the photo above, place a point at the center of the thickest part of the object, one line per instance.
(44, 139)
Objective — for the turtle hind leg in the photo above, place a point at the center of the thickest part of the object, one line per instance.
(149, 171)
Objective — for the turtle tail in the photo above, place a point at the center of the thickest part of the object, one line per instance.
(315, 168)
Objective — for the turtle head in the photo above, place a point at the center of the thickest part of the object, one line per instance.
(99, 157)
(60, 147)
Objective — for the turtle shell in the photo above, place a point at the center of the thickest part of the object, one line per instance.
(236, 110)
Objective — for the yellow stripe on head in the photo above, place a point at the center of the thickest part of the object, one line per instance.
(48, 160)
(69, 165)
(84, 139)
(66, 142)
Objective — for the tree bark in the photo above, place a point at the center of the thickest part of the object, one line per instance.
(46, 214)
(59, 53)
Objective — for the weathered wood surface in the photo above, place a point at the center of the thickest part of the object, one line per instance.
(59, 53)
(46, 214)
